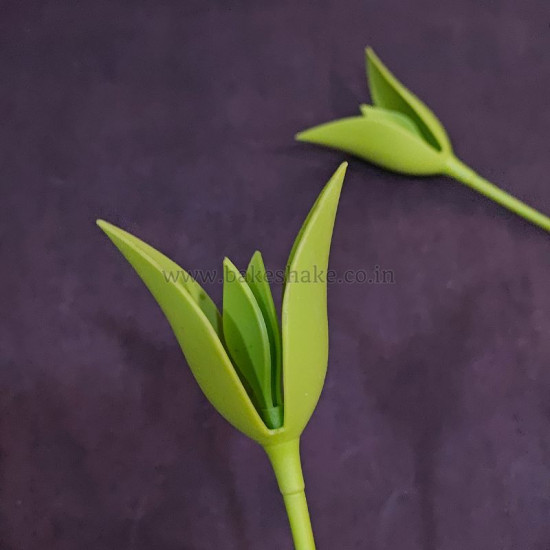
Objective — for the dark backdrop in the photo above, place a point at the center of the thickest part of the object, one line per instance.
(175, 120)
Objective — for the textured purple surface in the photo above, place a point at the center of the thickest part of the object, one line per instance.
(175, 120)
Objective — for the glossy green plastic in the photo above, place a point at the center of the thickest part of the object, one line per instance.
(256, 277)
(246, 336)
(265, 379)
(400, 133)
(200, 342)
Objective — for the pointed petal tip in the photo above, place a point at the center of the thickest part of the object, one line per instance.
(338, 176)
(227, 262)
(229, 266)
(102, 224)
(110, 230)
(371, 54)
(336, 181)
(257, 254)
(301, 136)
(314, 135)
(116, 233)
(373, 61)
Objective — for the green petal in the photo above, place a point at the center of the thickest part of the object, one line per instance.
(256, 277)
(171, 272)
(304, 315)
(378, 141)
(196, 335)
(246, 335)
(388, 92)
(390, 117)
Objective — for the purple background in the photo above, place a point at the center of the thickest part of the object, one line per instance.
(175, 120)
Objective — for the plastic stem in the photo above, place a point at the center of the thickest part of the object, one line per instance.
(285, 459)
(463, 173)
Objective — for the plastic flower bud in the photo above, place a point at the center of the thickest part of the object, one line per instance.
(400, 133)
(263, 376)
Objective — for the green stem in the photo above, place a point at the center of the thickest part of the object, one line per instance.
(285, 459)
(463, 173)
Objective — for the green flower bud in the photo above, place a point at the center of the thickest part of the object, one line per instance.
(400, 133)
(264, 378)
